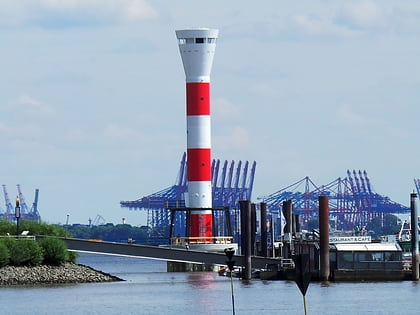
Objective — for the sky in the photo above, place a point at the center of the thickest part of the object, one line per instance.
(92, 97)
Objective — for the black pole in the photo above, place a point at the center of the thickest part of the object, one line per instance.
(229, 253)
(17, 226)
(414, 238)
(253, 227)
(187, 222)
(228, 222)
(171, 227)
(263, 208)
(214, 225)
(17, 215)
(287, 210)
(245, 206)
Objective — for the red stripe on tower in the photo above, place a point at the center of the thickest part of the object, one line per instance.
(199, 165)
(197, 48)
(198, 99)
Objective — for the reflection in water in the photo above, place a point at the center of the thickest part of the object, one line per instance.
(201, 280)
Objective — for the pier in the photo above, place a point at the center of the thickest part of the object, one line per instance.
(161, 253)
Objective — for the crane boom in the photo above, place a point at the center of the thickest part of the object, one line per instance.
(9, 206)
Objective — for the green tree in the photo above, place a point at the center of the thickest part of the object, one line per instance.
(391, 225)
(36, 228)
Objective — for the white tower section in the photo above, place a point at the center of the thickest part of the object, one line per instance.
(197, 47)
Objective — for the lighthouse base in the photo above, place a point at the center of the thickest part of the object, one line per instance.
(177, 266)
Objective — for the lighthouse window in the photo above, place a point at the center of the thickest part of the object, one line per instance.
(189, 40)
(199, 40)
(211, 40)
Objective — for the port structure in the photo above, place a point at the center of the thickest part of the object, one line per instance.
(417, 184)
(231, 181)
(352, 200)
(26, 212)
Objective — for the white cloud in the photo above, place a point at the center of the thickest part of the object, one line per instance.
(348, 117)
(240, 138)
(68, 13)
(235, 139)
(223, 108)
(364, 13)
(316, 24)
(118, 134)
(353, 18)
(30, 106)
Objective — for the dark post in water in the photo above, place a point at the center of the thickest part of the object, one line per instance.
(253, 227)
(263, 208)
(245, 206)
(324, 238)
(414, 238)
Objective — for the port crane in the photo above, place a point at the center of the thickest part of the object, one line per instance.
(9, 213)
(26, 212)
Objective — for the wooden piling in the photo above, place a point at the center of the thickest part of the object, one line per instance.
(324, 238)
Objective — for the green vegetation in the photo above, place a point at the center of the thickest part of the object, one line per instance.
(55, 251)
(389, 226)
(23, 252)
(27, 252)
(4, 255)
(111, 232)
(34, 228)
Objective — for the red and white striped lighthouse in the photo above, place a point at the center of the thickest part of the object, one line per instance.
(197, 47)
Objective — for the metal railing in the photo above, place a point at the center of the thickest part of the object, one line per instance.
(178, 240)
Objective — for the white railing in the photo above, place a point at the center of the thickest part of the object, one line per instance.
(178, 240)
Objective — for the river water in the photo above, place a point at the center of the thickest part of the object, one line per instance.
(149, 289)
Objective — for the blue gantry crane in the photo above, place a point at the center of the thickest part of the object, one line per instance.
(352, 200)
(231, 182)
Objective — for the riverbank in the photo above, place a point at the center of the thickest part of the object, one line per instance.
(66, 273)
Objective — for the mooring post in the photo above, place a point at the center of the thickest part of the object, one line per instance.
(263, 208)
(245, 206)
(287, 209)
(414, 238)
(253, 227)
(324, 238)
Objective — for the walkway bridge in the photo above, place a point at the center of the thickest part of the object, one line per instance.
(161, 253)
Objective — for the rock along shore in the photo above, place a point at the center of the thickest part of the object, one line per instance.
(66, 273)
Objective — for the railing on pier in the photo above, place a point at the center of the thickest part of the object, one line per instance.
(178, 240)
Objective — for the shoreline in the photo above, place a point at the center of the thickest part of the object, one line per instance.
(66, 273)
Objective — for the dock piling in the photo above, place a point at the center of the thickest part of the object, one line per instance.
(324, 238)
(246, 227)
(414, 237)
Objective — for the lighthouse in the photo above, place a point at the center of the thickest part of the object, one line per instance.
(197, 47)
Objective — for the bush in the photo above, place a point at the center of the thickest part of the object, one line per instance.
(72, 257)
(24, 252)
(7, 227)
(55, 251)
(4, 255)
